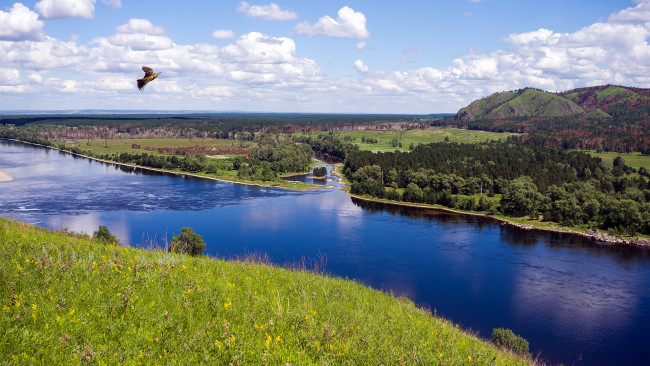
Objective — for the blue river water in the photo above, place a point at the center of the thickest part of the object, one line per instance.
(570, 298)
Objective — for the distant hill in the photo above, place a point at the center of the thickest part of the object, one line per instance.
(606, 117)
(522, 103)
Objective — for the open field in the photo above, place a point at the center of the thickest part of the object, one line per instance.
(151, 146)
(415, 137)
(634, 160)
(67, 299)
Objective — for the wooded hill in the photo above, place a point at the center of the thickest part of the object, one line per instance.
(607, 117)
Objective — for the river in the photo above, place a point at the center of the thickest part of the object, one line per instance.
(570, 298)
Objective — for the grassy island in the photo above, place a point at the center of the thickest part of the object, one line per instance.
(67, 299)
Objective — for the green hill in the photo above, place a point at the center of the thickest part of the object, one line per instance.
(603, 118)
(520, 104)
(68, 300)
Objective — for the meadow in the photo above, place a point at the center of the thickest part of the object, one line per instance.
(415, 137)
(635, 159)
(67, 299)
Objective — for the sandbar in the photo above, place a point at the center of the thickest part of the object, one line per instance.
(5, 177)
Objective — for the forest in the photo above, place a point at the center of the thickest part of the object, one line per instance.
(568, 187)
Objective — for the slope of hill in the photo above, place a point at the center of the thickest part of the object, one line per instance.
(67, 299)
(523, 103)
(606, 118)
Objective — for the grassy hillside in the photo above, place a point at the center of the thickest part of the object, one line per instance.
(66, 300)
(521, 104)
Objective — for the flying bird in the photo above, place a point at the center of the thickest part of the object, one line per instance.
(148, 76)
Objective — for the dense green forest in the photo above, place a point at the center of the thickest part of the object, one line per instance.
(568, 187)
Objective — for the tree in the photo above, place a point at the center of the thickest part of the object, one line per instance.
(187, 242)
(105, 236)
(320, 171)
(520, 197)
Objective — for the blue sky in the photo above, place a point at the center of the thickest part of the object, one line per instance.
(312, 56)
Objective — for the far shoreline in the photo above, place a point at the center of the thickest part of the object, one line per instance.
(178, 173)
(595, 236)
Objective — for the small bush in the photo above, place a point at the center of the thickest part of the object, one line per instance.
(507, 339)
(188, 242)
(105, 236)
(320, 171)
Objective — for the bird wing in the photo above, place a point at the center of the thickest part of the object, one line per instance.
(147, 70)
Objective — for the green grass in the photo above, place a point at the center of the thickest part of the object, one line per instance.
(415, 137)
(634, 160)
(117, 146)
(67, 300)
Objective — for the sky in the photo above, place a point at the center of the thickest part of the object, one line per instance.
(327, 56)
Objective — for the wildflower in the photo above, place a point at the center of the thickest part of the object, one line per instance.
(469, 358)
(227, 305)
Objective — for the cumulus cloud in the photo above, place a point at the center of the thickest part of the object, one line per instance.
(140, 34)
(224, 34)
(348, 24)
(58, 9)
(137, 26)
(19, 24)
(262, 72)
(266, 12)
(9, 76)
(637, 15)
(360, 66)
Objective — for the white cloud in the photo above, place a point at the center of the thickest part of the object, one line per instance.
(640, 14)
(140, 42)
(224, 34)
(261, 72)
(58, 9)
(138, 26)
(20, 23)
(266, 12)
(113, 3)
(139, 35)
(360, 66)
(348, 24)
(9, 76)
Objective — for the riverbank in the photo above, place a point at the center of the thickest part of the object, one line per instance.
(5, 177)
(160, 307)
(594, 235)
(284, 184)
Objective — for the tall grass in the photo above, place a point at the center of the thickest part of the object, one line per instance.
(66, 299)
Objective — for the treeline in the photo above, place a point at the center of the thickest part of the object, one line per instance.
(626, 131)
(329, 144)
(568, 187)
(265, 161)
(217, 125)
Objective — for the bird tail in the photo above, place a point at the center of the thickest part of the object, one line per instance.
(141, 83)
